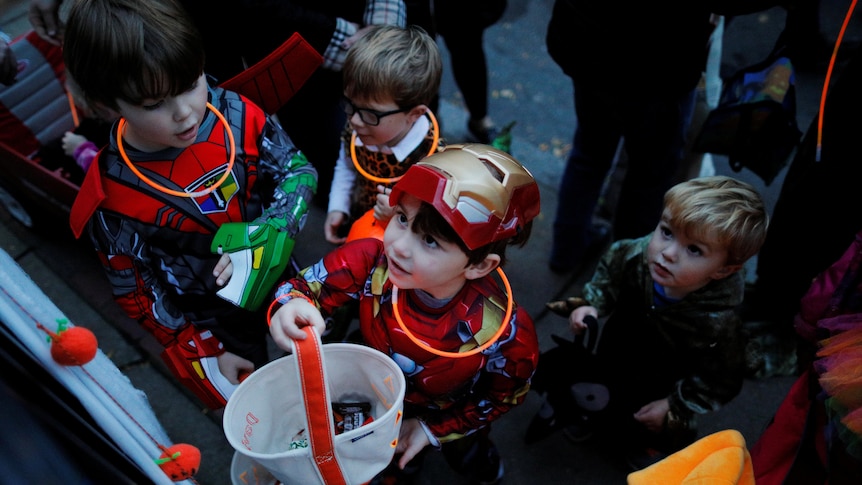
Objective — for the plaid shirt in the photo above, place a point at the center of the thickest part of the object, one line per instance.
(376, 12)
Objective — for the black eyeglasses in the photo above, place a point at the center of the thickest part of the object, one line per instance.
(368, 116)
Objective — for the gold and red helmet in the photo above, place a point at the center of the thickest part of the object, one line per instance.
(484, 193)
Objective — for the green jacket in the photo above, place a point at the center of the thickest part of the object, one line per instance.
(698, 339)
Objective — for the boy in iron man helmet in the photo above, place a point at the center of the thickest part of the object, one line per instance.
(466, 350)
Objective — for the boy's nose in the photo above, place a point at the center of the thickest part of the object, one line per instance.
(399, 245)
(670, 251)
(182, 111)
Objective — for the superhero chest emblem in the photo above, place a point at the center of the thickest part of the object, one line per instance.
(219, 199)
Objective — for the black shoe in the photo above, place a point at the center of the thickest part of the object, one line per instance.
(769, 350)
(490, 471)
(579, 431)
(641, 458)
(540, 428)
(481, 130)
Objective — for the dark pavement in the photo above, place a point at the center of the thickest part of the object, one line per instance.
(525, 85)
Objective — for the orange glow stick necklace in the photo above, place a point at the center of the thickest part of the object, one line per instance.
(160, 188)
(384, 180)
(457, 355)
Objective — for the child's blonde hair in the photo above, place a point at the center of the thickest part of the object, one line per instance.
(722, 210)
(390, 61)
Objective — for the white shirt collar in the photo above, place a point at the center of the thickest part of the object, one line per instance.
(405, 147)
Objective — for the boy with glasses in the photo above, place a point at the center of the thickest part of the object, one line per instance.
(391, 75)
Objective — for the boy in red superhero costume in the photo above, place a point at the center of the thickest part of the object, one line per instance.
(455, 213)
(190, 169)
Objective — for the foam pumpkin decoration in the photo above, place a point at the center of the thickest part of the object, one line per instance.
(72, 346)
(180, 461)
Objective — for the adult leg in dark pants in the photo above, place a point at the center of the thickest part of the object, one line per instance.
(652, 131)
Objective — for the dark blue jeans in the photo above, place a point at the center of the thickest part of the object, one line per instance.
(652, 128)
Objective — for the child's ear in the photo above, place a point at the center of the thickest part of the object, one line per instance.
(482, 268)
(726, 271)
(416, 112)
(104, 112)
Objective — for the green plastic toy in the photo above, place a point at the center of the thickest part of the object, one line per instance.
(259, 253)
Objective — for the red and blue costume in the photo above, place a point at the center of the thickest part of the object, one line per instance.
(155, 247)
(453, 397)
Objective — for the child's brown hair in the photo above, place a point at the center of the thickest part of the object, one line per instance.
(390, 61)
(131, 50)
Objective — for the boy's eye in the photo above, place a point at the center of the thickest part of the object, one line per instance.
(694, 250)
(429, 240)
(401, 217)
(193, 86)
(665, 231)
(151, 106)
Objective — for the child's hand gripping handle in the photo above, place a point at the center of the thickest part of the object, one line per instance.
(591, 334)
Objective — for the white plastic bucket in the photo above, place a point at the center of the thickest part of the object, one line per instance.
(267, 411)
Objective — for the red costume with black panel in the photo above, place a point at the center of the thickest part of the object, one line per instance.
(155, 247)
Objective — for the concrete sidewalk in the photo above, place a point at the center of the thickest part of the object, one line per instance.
(525, 86)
